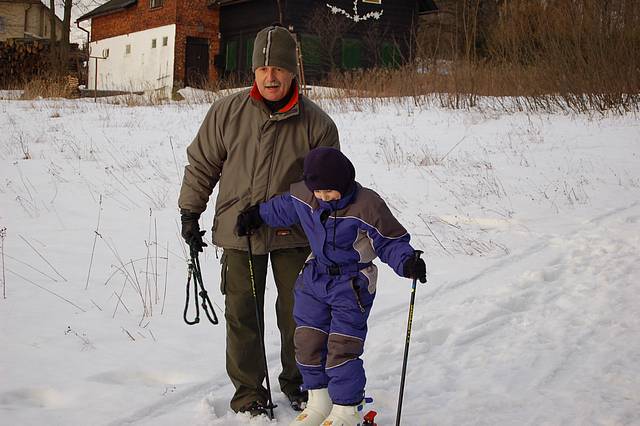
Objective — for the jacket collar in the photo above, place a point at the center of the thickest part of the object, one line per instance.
(342, 202)
(289, 107)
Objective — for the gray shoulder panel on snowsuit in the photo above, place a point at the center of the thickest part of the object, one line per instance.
(371, 209)
(300, 192)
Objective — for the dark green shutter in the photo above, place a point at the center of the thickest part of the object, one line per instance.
(311, 51)
(249, 62)
(390, 55)
(351, 53)
(231, 57)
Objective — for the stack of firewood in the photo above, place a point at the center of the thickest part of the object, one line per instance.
(22, 60)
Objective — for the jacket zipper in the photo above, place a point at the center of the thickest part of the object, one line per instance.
(275, 139)
(275, 123)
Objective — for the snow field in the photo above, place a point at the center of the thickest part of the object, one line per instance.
(530, 226)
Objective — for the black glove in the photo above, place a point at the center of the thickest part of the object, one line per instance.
(249, 220)
(414, 267)
(191, 230)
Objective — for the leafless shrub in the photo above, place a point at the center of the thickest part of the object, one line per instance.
(210, 91)
(328, 30)
(556, 56)
(53, 87)
(24, 145)
(394, 154)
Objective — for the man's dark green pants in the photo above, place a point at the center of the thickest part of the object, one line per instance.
(244, 358)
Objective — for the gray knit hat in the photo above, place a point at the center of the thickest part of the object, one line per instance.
(275, 47)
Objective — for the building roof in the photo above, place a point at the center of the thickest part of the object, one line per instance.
(225, 2)
(424, 6)
(109, 7)
(21, 1)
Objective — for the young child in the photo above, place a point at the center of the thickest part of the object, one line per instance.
(348, 226)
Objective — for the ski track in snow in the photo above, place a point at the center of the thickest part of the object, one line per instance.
(583, 303)
(164, 406)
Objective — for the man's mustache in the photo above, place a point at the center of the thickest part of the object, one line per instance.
(272, 84)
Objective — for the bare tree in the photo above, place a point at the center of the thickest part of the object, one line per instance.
(60, 49)
(53, 39)
(330, 28)
(66, 29)
(373, 40)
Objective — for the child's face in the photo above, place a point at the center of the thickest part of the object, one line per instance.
(327, 195)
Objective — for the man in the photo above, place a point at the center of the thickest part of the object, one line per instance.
(252, 144)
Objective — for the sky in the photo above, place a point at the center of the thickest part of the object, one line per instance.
(530, 223)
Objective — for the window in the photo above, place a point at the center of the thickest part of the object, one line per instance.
(165, 41)
(351, 53)
(153, 43)
(156, 3)
(2, 24)
(127, 49)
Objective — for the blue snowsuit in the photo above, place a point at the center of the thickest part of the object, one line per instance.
(335, 290)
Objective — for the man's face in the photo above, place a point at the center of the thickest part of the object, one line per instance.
(273, 82)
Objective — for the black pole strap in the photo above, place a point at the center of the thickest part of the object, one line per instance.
(207, 306)
(186, 305)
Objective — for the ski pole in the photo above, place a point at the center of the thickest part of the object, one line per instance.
(416, 254)
(260, 335)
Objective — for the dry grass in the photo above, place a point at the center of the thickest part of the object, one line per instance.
(502, 86)
(519, 55)
(53, 87)
(567, 55)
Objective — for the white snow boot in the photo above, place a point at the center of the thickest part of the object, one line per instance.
(344, 415)
(318, 407)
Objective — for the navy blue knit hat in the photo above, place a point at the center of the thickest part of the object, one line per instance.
(328, 168)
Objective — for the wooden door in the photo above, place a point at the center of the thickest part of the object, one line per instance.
(197, 62)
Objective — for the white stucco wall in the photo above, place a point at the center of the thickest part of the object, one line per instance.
(144, 68)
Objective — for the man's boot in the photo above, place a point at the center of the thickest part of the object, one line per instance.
(344, 415)
(318, 407)
(298, 399)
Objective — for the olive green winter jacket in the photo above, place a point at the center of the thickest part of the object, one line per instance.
(253, 155)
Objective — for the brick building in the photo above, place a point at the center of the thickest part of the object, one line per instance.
(152, 45)
(162, 45)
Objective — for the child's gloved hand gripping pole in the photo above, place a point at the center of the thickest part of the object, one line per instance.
(416, 260)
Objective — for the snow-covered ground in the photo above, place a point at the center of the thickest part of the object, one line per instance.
(530, 224)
